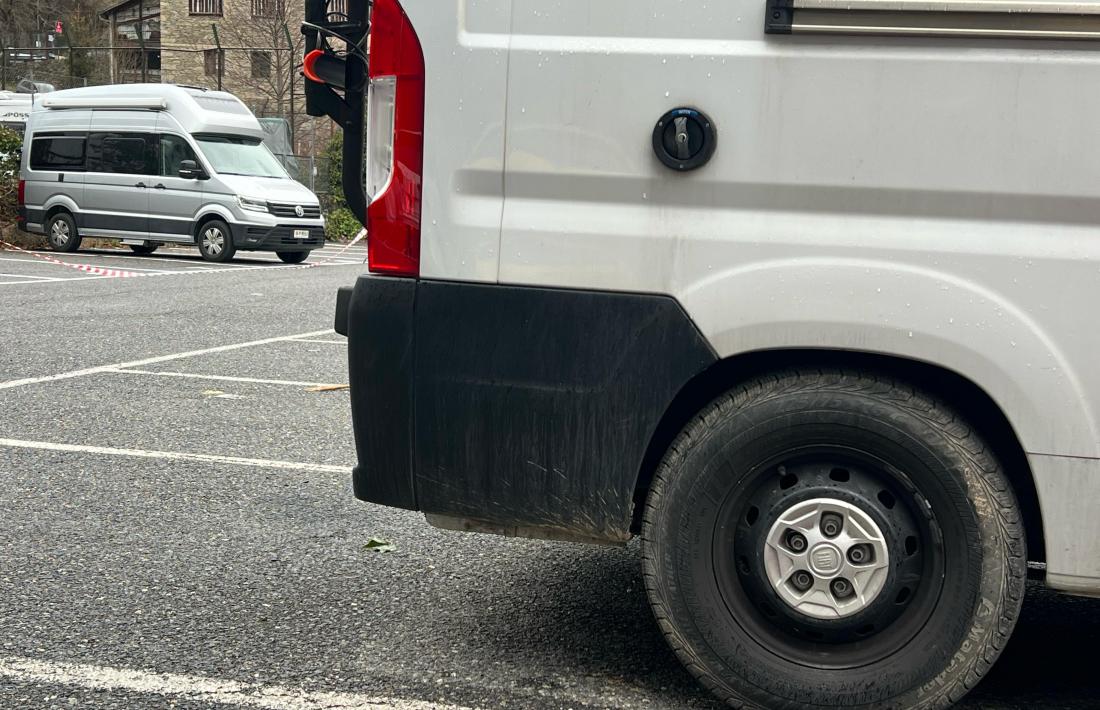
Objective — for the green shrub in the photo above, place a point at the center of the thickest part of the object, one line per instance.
(332, 159)
(11, 147)
(341, 225)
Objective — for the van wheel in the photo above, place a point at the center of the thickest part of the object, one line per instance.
(292, 257)
(833, 539)
(216, 241)
(144, 249)
(61, 233)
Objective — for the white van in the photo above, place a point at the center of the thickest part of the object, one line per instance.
(15, 109)
(153, 163)
(797, 291)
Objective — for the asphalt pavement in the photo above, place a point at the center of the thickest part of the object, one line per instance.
(177, 527)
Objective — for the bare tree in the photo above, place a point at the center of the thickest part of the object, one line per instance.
(260, 65)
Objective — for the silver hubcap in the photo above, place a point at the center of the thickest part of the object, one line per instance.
(59, 232)
(213, 241)
(826, 558)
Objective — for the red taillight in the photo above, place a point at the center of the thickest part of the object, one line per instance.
(393, 217)
(22, 193)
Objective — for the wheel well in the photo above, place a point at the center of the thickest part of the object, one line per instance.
(54, 210)
(968, 398)
(201, 222)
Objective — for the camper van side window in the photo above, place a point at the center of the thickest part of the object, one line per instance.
(57, 152)
(173, 151)
(128, 153)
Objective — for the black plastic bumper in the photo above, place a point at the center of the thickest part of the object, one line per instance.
(280, 238)
(513, 406)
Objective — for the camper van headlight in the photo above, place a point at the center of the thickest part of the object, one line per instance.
(251, 203)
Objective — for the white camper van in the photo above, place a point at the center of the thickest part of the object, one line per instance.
(154, 163)
(796, 291)
(15, 109)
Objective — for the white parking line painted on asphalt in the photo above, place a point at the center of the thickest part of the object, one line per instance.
(154, 360)
(49, 279)
(314, 340)
(223, 378)
(172, 456)
(200, 689)
(25, 276)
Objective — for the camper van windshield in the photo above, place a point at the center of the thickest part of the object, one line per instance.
(237, 155)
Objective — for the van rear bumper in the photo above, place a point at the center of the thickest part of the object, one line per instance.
(508, 408)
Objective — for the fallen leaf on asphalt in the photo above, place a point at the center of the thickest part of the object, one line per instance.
(218, 394)
(328, 388)
(379, 545)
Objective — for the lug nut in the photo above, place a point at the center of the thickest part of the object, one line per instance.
(841, 588)
(859, 555)
(802, 580)
(796, 541)
(831, 524)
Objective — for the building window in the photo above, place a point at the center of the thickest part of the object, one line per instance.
(204, 7)
(268, 8)
(210, 61)
(261, 65)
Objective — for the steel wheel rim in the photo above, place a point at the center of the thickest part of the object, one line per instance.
(213, 241)
(833, 573)
(847, 641)
(59, 232)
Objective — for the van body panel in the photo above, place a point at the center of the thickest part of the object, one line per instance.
(466, 58)
(1068, 490)
(116, 203)
(931, 199)
(47, 189)
(174, 202)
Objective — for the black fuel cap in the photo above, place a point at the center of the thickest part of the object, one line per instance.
(684, 139)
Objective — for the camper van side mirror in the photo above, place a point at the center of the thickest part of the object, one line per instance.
(190, 170)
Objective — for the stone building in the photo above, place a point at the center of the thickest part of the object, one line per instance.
(252, 48)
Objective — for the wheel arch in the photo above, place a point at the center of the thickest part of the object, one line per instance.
(56, 207)
(974, 403)
(208, 215)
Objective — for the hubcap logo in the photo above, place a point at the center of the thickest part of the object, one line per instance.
(825, 559)
(299, 210)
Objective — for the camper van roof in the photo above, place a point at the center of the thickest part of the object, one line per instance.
(196, 110)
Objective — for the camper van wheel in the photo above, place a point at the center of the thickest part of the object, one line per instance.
(144, 249)
(292, 257)
(826, 538)
(216, 241)
(61, 233)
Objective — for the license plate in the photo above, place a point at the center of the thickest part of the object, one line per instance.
(301, 234)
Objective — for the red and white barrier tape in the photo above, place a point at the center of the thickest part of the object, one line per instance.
(86, 268)
(123, 274)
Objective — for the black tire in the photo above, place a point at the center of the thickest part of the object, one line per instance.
(215, 241)
(61, 233)
(790, 440)
(143, 249)
(292, 257)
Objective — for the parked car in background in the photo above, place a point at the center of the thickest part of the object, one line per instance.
(798, 292)
(151, 164)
